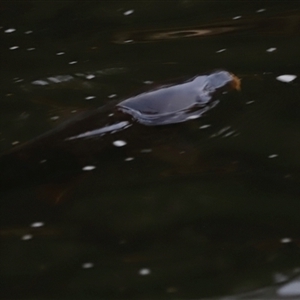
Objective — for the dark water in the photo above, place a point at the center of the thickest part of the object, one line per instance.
(205, 209)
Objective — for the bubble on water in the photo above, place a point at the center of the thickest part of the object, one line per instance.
(273, 155)
(286, 78)
(221, 50)
(10, 30)
(272, 49)
(236, 17)
(26, 237)
(261, 10)
(14, 48)
(128, 12)
(28, 32)
(60, 53)
(73, 62)
(144, 271)
(112, 96)
(89, 97)
(88, 168)
(127, 41)
(87, 265)
(119, 143)
(37, 224)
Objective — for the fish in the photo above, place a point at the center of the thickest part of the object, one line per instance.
(64, 151)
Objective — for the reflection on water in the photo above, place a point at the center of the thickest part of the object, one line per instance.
(207, 208)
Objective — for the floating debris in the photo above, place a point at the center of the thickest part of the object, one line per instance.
(273, 155)
(13, 47)
(250, 102)
(73, 62)
(37, 224)
(87, 265)
(271, 49)
(129, 159)
(112, 96)
(90, 97)
(10, 30)
(40, 82)
(204, 126)
(286, 240)
(286, 78)
(90, 76)
(236, 18)
(128, 12)
(261, 10)
(60, 53)
(221, 50)
(119, 143)
(144, 271)
(28, 32)
(88, 168)
(26, 237)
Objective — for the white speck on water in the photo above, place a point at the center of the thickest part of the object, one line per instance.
(148, 82)
(60, 53)
(88, 168)
(286, 78)
(144, 271)
(273, 155)
(228, 134)
(204, 126)
(15, 143)
(286, 240)
(128, 12)
(111, 115)
(129, 158)
(112, 96)
(26, 237)
(221, 50)
(73, 111)
(19, 80)
(146, 150)
(73, 62)
(236, 18)
(127, 41)
(119, 143)
(43, 161)
(250, 102)
(37, 224)
(87, 265)
(272, 49)
(13, 47)
(28, 32)
(90, 97)
(261, 10)
(54, 118)
(40, 82)
(90, 76)
(30, 49)
(10, 30)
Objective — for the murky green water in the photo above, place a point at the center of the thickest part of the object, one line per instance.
(204, 209)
